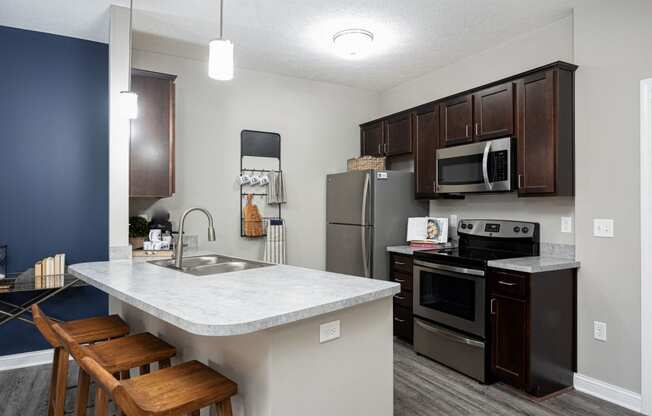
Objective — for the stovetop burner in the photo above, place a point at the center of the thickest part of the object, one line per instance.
(485, 240)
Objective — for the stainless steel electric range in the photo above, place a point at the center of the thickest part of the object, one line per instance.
(450, 297)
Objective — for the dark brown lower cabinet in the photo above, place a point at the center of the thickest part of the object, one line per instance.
(533, 329)
(400, 269)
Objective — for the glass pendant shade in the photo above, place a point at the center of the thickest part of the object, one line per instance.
(220, 59)
(129, 104)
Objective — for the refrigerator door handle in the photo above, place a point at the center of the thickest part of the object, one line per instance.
(363, 228)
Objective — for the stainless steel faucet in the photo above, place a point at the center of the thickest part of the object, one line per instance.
(178, 250)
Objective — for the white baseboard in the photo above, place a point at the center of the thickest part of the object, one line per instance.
(608, 392)
(26, 359)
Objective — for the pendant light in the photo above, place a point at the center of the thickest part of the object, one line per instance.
(220, 54)
(129, 99)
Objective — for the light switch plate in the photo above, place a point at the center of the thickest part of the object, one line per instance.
(603, 227)
(566, 224)
(600, 331)
(329, 331)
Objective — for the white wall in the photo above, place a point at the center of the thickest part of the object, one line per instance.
(612, 49)
(318, 123)
(543, 46)
(118, 133)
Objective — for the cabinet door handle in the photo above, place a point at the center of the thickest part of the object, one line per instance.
(380, 152)
(519, 181)
(491, 307)
(400, 321)
(506, 283)
(399, 297)
(399, 263)
(467, 130)
(476, 129)
(399, 280)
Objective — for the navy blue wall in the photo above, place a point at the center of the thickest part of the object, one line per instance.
(53, 164)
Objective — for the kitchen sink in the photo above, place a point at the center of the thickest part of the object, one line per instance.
(211, 264)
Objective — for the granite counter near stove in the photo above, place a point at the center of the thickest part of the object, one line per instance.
(535, 264)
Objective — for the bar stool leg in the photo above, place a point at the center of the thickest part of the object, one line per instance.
(61, 383)
(53, 381)
(223, 408)
(83, 383)
(101, 402)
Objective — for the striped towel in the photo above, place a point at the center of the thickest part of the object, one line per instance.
(275, 243)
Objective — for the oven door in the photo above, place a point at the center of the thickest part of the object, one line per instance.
(478, 167)
(451, 296)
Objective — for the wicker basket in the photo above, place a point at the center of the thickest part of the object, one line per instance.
(365, 163)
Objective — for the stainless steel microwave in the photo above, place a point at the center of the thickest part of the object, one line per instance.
(487, 166)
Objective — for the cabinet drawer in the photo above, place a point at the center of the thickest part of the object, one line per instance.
(507, 284)
(404, 299)
(400, 263)
(403, 323)
(405, 279)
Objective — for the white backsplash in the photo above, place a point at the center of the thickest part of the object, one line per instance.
(547, 211)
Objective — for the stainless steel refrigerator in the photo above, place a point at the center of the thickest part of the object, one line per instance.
(366, 211)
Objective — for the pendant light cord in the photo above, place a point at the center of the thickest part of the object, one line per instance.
(221, 19)
(131, 29)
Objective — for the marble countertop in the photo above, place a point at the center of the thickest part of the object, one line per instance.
(407, 250)
(230, 303)
(535, 264)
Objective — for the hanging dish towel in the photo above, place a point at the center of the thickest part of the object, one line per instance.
(276, 188)
(275, 244)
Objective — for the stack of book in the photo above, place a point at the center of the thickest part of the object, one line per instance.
(427, 245)
(50, 266)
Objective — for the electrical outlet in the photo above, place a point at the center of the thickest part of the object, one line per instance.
(600, 331)
(329, 331)
(603, 227)
(566, 224)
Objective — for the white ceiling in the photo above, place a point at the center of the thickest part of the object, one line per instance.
(293, 37)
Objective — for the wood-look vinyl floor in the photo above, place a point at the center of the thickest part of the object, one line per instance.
(424, 388)
(421, 388)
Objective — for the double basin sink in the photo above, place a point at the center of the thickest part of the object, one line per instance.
(210, 264)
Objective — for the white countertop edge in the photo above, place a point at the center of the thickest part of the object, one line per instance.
(243, 327)
(535, 264)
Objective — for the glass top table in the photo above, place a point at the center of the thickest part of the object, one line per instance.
(41, 288)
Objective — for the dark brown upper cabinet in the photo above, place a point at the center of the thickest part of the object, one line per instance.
(545, 133)
(535, 107)
(398, 135)
(371, 139)
(425, 130)
(493, 112)
(456, 119)
(151, 150)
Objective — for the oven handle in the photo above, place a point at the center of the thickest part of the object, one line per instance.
(449, 336)
(445, 267)
(485, 165)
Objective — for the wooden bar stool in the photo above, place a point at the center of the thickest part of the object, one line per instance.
(83, 331)
(180, 390)
(118, 356)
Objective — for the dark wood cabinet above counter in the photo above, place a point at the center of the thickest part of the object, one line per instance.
(535, 107)
(152, 143)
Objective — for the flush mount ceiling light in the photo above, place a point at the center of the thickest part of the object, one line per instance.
(129, 99)
(353, 43)
(220, 54)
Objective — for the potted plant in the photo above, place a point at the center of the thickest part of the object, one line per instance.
(138, 230)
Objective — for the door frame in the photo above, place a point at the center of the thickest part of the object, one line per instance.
(646, 246)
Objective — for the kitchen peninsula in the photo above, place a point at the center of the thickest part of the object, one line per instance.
(261, 328)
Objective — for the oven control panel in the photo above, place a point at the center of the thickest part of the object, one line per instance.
(498, 228)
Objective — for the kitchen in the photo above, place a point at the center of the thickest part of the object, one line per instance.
(325, 116)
